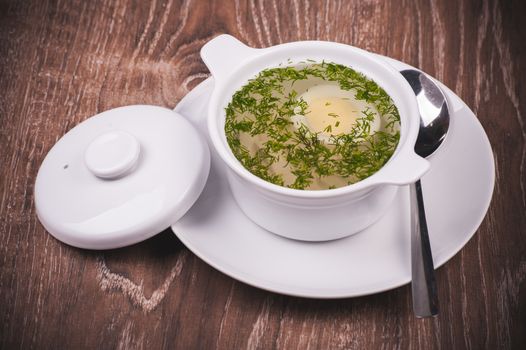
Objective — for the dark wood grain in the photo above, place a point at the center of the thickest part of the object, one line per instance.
(63, 61)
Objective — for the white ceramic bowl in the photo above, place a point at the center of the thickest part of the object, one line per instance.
(302, 214)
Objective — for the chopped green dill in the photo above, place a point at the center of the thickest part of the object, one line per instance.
(263, 108)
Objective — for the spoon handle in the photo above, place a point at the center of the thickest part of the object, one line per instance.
(425, 298)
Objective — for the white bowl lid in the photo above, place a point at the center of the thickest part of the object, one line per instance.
(120, 177)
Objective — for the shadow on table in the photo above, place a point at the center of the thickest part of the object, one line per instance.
(152, 260)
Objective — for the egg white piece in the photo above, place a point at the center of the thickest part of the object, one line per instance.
(332, 111)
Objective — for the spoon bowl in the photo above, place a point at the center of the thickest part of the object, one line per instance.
(434, 112)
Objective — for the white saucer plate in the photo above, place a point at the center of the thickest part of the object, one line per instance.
(457, 192)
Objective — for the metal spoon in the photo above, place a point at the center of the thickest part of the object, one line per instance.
(434, 124)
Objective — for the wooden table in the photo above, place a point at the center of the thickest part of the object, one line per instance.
(63, 61)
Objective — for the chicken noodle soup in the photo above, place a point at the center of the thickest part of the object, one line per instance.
(312, 126)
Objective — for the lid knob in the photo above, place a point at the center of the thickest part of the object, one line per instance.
(112, 155)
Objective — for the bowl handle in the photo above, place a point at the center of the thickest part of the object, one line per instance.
(407, 169)
(223, 54)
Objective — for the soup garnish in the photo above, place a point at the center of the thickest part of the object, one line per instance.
(312, 126)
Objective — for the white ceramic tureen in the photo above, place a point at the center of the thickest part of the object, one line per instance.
(126, 174)
(311, 215)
